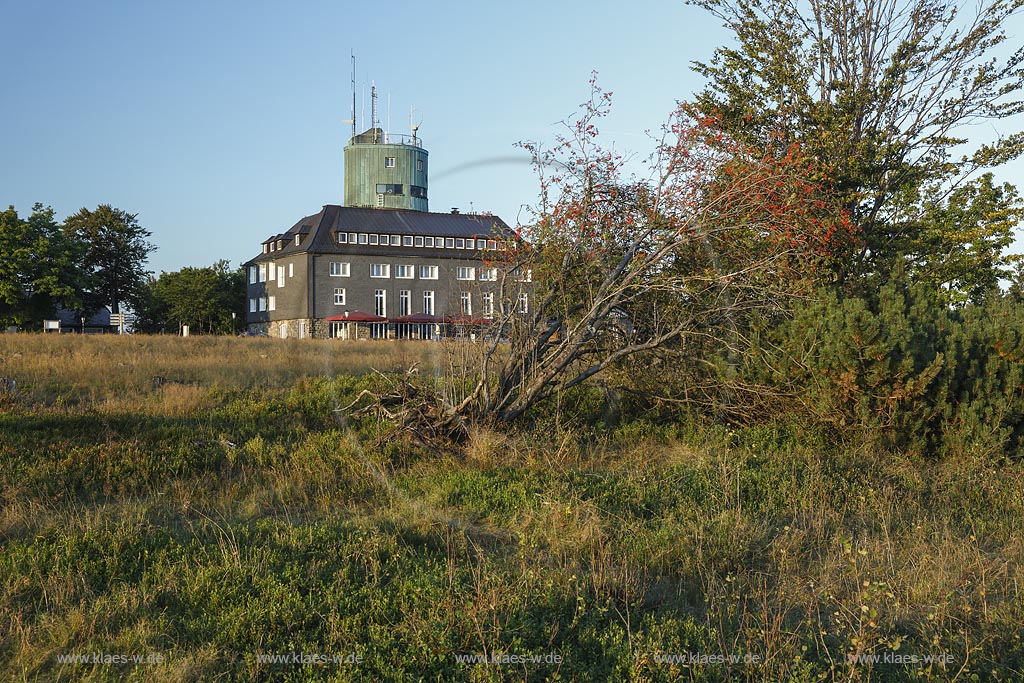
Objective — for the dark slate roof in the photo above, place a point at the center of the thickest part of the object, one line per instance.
(318, 230)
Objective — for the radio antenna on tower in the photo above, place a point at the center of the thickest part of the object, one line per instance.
(353, 93)
(373, 109)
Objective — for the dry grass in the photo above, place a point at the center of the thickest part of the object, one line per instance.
(607, 548)
(110, 372)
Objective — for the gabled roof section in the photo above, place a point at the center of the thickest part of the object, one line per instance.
(318, 231)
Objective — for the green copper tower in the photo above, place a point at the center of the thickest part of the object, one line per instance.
(386, 171)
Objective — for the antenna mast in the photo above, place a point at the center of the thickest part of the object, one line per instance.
(373, 109)
(353, 93)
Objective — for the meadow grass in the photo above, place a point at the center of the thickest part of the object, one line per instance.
(233, 513)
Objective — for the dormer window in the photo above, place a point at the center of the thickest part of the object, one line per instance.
(342, 238)
(266, 248)
(298, 238)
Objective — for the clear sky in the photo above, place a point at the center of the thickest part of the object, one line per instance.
(220, 123)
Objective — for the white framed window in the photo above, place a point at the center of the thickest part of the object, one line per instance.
(467, 303)
(266, 248)
(481, 244)
(339, 296)
(428, 302)
(449, 242)
(406, 240)
(271, 272)
(291, 270)
(340, 269)
(298, 238)
(380, 270)
(404, 272)
(263, 272)
(428, 242)
(380, 299)
(384, 240)
(389, 162)
(252, 305)
(460, 243)
(469, 244)
(524, 303)
(396, 240)
(373, 239)
(280, 276)
(466, 273)
(488, 275)
(352, 238)
(419, 241)
(263, 303)
(362, 238)
(428, 272)
(404, 302)
(522, 275)
(492, 244)
(342, 238)
(253, 274)
(488, 304)
(272, 303)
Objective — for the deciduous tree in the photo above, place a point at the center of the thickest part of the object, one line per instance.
(202, 298)
(622, 266)
(39, 270)
(880, 91)
(116, 249)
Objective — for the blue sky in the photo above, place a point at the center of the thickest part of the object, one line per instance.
(220, 123)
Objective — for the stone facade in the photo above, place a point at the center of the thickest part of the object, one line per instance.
(330, 265)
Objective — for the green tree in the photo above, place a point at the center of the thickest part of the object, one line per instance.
(881, 91)
(39, 271)
(116, 249)
(202, 298)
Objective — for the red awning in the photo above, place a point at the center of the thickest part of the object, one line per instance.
(357, 317)
(421, 318)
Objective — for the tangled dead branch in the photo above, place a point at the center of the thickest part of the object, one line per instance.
(413, 407)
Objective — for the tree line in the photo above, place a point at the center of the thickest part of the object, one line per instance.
(97, 258)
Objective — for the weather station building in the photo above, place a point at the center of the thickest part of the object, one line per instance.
(381, 265)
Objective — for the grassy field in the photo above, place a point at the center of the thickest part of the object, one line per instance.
(200, 503)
